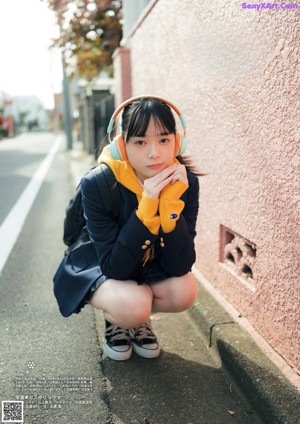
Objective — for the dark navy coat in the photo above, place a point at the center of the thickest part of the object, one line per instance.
(118, 243)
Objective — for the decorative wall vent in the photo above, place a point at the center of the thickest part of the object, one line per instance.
(238, 256)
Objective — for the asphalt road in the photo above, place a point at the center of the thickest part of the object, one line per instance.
(55, 365)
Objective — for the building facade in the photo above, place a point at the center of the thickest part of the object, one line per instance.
(233, 71)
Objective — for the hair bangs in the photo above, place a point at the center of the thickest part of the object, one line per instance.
(138, 122)
(141, 113)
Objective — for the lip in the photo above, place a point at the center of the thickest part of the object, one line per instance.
(155, 166)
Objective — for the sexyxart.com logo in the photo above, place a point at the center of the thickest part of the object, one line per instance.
(276, 6)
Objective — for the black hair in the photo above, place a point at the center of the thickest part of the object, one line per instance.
(136, 116)
(135, 121)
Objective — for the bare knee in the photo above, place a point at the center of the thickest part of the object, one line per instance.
(132, 314)
(127, 305)
(187, 292)
(175, 294)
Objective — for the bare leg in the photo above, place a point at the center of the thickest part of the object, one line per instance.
(129, 305)
(175, 294)
(124, 303)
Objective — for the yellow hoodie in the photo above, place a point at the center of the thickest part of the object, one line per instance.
(154, 213)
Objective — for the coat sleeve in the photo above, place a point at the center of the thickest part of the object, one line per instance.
(177, 249)
(120, 250)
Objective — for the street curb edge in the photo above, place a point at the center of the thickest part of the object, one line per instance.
(274, 398)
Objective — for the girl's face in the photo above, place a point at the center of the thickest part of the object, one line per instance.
(151, 153)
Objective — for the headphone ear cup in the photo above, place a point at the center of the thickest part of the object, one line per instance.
(177, 143)
(183, 144)
(180, 144)
(117, 149)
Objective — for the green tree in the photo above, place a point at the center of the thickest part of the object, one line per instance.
(90, 31)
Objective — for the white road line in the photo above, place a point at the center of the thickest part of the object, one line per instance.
(13, 223)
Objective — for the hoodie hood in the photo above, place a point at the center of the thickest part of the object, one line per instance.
(122, 170)
(164, 211)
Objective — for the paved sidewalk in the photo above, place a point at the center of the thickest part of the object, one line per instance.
(210, 371)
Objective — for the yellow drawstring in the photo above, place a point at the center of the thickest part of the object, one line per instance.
(149, 254)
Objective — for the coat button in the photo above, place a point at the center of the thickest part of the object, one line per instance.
(144, 246)
(147, 242)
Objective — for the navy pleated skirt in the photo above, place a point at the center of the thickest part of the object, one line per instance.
(79, 276)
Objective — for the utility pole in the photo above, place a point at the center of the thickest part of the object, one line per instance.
(67, 107)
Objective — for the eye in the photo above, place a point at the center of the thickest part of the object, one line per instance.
(139, 143)
(164, 140)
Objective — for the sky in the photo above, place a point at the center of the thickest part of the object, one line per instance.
(27, 67)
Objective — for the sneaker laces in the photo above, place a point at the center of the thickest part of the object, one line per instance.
(116, 333)
(144, 332)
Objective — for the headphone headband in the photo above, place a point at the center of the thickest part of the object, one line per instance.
(134, 99)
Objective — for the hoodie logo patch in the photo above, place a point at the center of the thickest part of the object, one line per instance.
(173, 215)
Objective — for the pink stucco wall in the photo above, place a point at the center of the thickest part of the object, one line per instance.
(234, 73)
(122, 75)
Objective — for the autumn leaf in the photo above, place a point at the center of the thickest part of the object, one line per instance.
(90, 31)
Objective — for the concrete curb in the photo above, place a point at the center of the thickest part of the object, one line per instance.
(271, 394)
